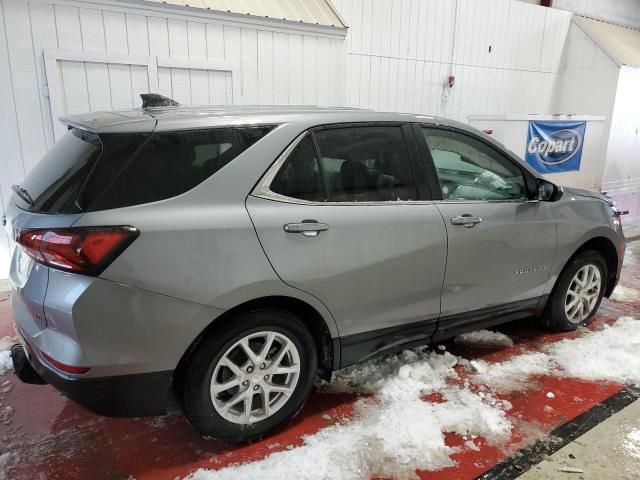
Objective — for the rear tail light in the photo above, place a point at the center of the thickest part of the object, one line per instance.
(85, 250)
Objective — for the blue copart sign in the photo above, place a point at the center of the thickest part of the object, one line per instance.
(555, 146)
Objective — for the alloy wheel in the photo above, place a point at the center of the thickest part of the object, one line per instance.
(583, 293)
(255, 377)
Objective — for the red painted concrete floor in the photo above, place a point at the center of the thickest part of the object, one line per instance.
(57, 439)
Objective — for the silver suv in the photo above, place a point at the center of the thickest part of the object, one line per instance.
(229, 256)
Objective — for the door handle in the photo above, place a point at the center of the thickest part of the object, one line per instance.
(467, 220)
(308, 228)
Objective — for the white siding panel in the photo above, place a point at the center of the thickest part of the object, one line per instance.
(115, 27)
(98, 86)
(197, 40)
(280, 68)
(295, 70)
(486, 44)
(158, 36)
(181, 85)
(199, 87)
(249, 43)
(265, 68)
(309, 66)
(337, 73)
(68, 27)
(137, 35)
(74, 79)
(140, 83)
(233, 52)
(11, 163)
(178, 39)
(218, 89)
(44, 36)
(25, 79)
(215, 41)
(323, 71)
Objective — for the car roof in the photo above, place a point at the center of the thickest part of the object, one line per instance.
(183, 117)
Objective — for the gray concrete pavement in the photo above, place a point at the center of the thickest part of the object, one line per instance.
(610, 451)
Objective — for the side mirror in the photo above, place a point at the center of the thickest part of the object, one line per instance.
(545, 191)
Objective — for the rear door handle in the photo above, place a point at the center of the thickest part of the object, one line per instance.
(467, 220)
(308, 228)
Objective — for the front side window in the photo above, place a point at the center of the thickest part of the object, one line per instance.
(468, 169)
(354, 164)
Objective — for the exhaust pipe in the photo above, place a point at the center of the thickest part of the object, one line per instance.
(23, 368)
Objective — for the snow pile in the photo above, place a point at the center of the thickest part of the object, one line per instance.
(393, 433)
(625, 294)
(632, 443)
(512, 374)
(408, 369)
(610, 354)
(484, 339)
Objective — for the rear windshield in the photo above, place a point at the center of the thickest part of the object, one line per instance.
(85, 172)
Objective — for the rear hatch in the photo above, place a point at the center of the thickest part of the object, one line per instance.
(46, 199)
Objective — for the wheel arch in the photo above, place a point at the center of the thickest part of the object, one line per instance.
(326, 345)
(607, 249)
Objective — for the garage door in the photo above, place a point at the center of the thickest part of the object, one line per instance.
(81, 81)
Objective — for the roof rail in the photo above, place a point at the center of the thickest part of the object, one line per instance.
(151, 100)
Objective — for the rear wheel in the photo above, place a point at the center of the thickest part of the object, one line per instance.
(249, 376)
(578, 293)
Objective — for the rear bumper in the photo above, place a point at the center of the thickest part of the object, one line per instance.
(137, 395)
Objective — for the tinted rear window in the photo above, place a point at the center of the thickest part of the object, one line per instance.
(84, 172)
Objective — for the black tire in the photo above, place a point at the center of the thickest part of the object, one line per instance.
(196, 396)
(554, 317)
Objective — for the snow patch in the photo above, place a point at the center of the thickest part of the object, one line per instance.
(393, 433)
(625, 294)
(610, 354)
(395, 374)
(6, 342)
(632, 443)
(484, 339)
(512, 374)
(8, 461)
(6, 363)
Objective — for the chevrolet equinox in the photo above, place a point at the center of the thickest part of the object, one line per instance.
(228, 256)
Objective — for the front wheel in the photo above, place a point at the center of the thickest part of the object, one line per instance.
(249, 376)
(577, 294)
